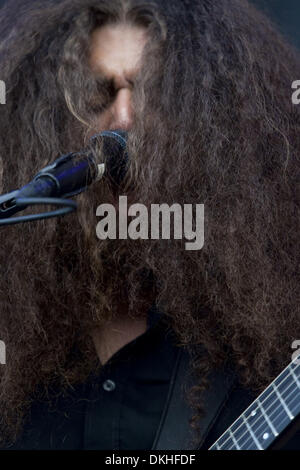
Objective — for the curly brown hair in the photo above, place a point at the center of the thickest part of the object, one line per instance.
(214, 124)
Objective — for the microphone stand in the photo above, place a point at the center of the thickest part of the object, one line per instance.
(10, 204)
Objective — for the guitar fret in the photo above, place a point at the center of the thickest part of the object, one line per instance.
(275, 433)
(281, 420)
(259, 426)
(252, 434)
(295, 377)
(290, 415)
(274, 409)
(234, 440)
(295, 403)
(226, 441)
(291, 396)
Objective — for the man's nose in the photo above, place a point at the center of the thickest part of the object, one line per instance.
(122, 112)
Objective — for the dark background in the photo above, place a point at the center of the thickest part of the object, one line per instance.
(285, 13)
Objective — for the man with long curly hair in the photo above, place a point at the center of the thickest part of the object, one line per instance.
(102, 336)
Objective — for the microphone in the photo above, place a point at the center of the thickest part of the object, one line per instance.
(72, 173)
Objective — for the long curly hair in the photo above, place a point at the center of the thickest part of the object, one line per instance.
(215, 125)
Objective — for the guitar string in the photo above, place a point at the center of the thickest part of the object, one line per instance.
(275, 409)
(266, 409)
(265, 398)
(264, 422)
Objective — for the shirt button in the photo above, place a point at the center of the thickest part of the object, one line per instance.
(109, 385)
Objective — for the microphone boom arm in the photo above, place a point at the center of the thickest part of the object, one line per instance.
(67, 176)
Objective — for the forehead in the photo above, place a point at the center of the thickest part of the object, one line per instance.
(115, 50)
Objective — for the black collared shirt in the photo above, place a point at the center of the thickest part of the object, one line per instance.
(119, 408)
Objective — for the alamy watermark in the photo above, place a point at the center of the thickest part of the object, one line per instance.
(296, 354)
(2, 92)
(2, 353)
(296, 94)
(153, 224)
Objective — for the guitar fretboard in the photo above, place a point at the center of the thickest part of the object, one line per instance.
(266, 418)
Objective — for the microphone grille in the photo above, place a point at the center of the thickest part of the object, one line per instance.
(114, 150)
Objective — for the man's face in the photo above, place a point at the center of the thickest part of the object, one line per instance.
(115, 56)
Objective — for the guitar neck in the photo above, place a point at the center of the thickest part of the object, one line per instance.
(268, 416)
